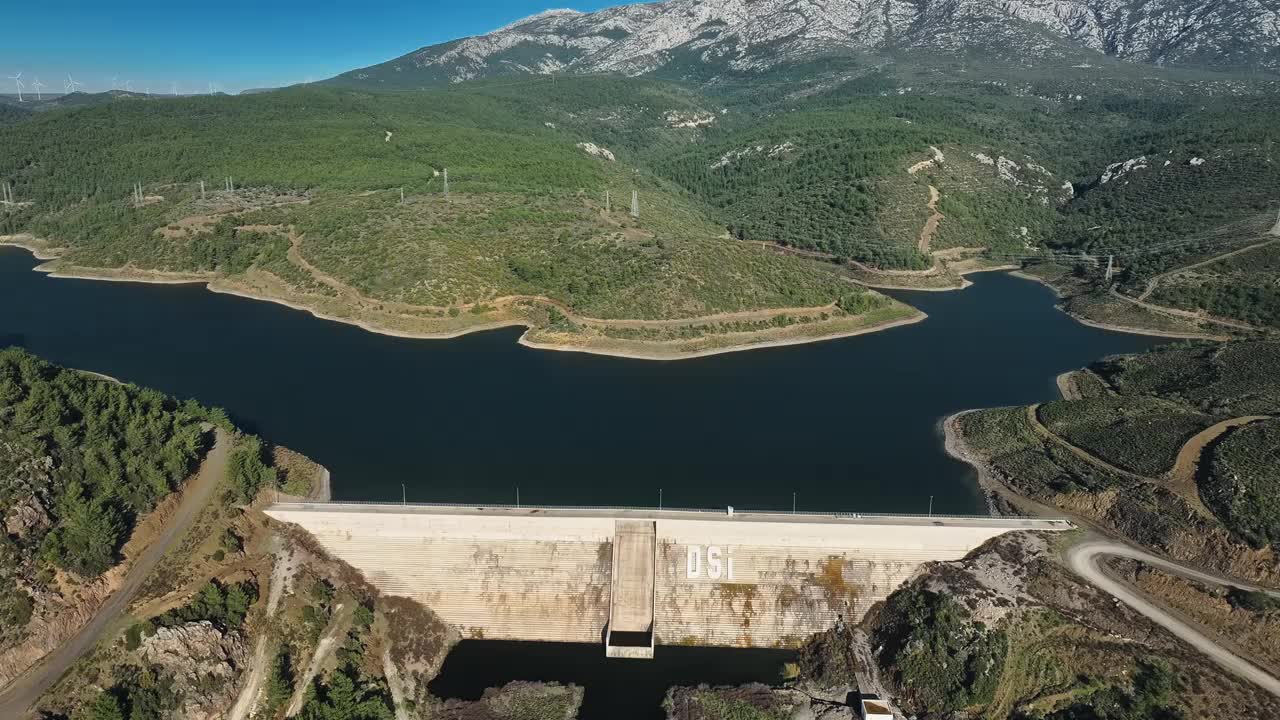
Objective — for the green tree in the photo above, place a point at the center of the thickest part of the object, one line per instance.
(222, 605)
(247, 471)
(322, 593)
(343, 699)
(363, 616)
(89, 535)
(231, 542)
(106, 706)
(279, 682)
(238, 599)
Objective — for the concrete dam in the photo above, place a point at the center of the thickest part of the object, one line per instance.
(633, 579)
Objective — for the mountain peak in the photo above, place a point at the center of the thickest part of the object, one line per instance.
(545, 14)
(713, 36)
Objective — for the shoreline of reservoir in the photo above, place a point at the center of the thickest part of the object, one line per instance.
(653, 351)
(918, 316)
(380, 412)
(657, 351)
(1149, 332)
(954, 444)
(965, 283)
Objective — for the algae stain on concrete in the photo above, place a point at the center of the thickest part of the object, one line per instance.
(841, 594)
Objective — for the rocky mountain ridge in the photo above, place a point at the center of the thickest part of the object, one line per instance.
(679, 37)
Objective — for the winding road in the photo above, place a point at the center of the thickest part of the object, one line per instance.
(22, 693)
(1183, 475)
(1181, 479)
(1198, 316)
(1084, 558)
(1155, 281)
(1084, 561)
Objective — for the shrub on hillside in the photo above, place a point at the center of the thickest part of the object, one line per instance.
(934, 652)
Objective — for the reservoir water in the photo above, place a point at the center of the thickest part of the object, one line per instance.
(848, 424)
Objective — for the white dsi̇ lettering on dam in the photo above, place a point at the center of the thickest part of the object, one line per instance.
(718, 563)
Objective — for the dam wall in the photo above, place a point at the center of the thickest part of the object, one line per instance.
(681, 577)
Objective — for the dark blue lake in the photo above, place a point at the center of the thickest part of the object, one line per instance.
(847, 424)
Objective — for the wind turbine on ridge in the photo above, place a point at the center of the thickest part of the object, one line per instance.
(70, 85)
(38, 85)
(18, 79)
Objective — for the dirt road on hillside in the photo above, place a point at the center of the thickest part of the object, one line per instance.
(931, 225)
(281, 577)
(16, 699)
(1183, 474)
(1155, 281)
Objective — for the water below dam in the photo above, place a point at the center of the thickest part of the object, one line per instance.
(621, 689)
(843, 425)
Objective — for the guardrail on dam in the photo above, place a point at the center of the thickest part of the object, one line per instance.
(635, 578)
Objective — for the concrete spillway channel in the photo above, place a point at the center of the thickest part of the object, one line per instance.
(635, 579)
(632, 589)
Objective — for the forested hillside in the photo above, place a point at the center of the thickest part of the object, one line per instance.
(1179, 170)
(84, 462)
(81, 460)
(301, 138)
(337, 200)
(903, 166)
(11, 114)
(1188, 184)
(843, 177)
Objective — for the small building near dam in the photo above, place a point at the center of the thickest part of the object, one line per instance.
(633, 579)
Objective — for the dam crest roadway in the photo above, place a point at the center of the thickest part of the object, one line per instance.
(637, 578)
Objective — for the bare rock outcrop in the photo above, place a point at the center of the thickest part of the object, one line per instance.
(204, 663)
(23, 484)
(596, 151)
(991, 584)
(26, 518)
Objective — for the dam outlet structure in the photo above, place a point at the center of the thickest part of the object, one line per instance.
(633, 579)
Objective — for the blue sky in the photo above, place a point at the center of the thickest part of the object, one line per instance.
(235, 44)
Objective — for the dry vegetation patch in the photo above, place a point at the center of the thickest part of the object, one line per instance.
(1249, 629)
